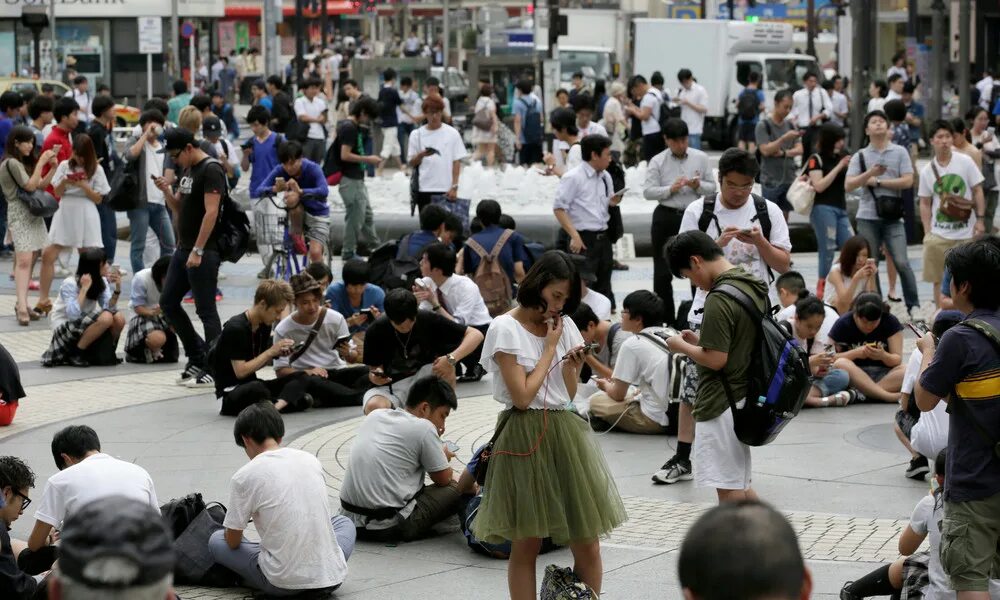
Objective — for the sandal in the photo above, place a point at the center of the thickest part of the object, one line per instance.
(43, 308)
(23, 319)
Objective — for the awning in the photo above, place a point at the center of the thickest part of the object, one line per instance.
(333, 7)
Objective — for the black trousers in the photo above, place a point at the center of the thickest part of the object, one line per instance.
(599, 258)
(340, 387)
(666, 224)
(290, 388)
(652, 145)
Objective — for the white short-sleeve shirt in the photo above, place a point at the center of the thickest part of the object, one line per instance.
(695, 120)
(652, 99)
(959, 178)
(312, 108)
(644, 364)
(435, 170)
(322, 352)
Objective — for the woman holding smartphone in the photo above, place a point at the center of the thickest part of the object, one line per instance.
(547, 476)
(869, 343)
(854, 274)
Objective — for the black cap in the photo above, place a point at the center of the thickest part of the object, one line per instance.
(211, 126)
(177, 138)
(120, 529)
(587, 274)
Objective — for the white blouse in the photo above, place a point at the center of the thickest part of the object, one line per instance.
(508, 335)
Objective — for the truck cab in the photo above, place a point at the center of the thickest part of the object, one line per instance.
(777, 72)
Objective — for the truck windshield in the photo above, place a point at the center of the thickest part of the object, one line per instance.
(785, 73)
(591, 64)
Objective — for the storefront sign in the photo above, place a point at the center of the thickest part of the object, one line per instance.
(120, 8)
(150, 35)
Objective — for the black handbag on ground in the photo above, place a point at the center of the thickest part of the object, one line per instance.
(195, 565)
(40, 203)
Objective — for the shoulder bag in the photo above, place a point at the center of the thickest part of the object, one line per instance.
(954, 206)
(40, 203)
(802, 194)
(887, 207)
(312, 337)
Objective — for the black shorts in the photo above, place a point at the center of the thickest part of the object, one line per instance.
(748, 132)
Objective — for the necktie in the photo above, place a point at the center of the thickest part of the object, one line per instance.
(441, 301)
(810, 104)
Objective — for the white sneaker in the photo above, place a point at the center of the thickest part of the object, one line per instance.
(189, 373)
(202, 380)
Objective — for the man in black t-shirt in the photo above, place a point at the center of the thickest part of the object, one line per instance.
(195, 264)
(405, 344)
(388, 103)
(349, 152)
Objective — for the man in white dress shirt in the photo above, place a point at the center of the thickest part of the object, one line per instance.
(83, 96)
(693, 99)
(811, 106)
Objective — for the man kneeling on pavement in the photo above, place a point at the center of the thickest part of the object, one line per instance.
(384, 492)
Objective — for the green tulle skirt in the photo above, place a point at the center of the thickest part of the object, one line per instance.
(563, 491)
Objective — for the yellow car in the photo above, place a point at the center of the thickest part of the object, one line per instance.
(125, 116)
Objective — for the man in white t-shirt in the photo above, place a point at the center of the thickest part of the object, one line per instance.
(311, 109)
(383, 491)
(323, 356)
(693, 99)
(735, 222)
(409, 112)
(985, 87)
(437, 148)
(566, 152)
(953, 174)
(650, 100)
(85, 475)
(643, 362)
(283, 490)
(83, 97)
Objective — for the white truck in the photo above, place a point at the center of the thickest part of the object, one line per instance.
(596, 44)
(721, 55)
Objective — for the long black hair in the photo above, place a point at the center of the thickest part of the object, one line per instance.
(17, 135)
(91, 261)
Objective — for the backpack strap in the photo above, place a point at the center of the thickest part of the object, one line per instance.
(991, 334)
(762, 216)
(657, 341)
(708, 214)
(743, 299)
(476, 247)
(495, 252)
(404, 247)
(612, 332)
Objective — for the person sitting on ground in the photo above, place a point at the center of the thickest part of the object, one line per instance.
(854, 274)
(245, 347)
(512, 254)
(597, 301)
(383, 491)
(869, 346)
(436, 225)
(734, 539)
(924, 435)
(149, 338)
(305, 190)
(321, 273)
(16, 481)
(284, 492)
(406, 344)
(116, 549)
(811, 321)
(322, 347)
(454, 297)
(86, 310)
(609, 337)
(11, 390)
(85, 476)
(355, 297)
(643, 362)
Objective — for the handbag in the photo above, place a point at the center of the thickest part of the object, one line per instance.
(179, 512)
(40, 203)
(124, 194)
(955, 207)
(561, 583)
(887, 207)
(482, 119)
(486, 450)
(195, 565)
(458, 207)
(802, 194)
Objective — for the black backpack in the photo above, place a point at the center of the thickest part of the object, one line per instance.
(760, 205)
(232, 230)
(124, 184)
(391, 266)
(777, 377)
(748, 105)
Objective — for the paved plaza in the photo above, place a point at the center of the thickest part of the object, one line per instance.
(836, 472)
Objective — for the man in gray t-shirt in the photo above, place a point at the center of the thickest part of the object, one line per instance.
(887, 171)
(779, 143)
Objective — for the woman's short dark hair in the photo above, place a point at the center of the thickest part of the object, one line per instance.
(74, 441)
(738, 161)
(978, 264)
(440, 256)
(593, 145)
(488, 212)
(681, 248)
(551, 267)
(365, 106)
(564, 119)
(808, 305)
(159, 271)
(90, 263)
(355, 272)
(17, 135)
(258, 114)
(400, 305)
(434, 391)
(674, 128)
(849, 254)
(645, 305)
(152, 115)
(259, 422)
(829, 135)
(869, 306)
(289, 151)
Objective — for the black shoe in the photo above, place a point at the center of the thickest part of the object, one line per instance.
(307, 401)
(846, 594)
(75, 360)
(918, 468)
(619, 266)
(472, 375)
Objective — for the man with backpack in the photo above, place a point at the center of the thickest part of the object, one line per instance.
(749, 108)
(510, 255)
(650, 112)
(528, 124)
(644, 362)
(963, 370)
(753, 235)
(454, 297)
(722, 352)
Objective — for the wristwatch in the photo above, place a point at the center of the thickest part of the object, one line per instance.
(451, 359)
(198, 251)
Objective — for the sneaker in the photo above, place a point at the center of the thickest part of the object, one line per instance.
(859, 397)
(308, 401)
(263, 274)
(202, 380)
(674, 470)
(189, 373)
(918, 468)
(846, 594)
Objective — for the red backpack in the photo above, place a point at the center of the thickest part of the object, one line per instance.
(494, 284)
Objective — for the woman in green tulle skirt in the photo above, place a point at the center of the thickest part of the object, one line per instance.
(547, 476)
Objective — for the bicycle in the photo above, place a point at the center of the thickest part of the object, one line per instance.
(285, 261)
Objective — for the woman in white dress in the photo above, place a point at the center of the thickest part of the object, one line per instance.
(80, 184)
(485, 140)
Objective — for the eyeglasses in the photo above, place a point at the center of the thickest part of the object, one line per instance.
(25, 501)
(739, 188)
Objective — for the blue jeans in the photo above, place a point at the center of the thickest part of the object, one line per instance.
(403, 133)
(201, 281)
(694, 141)
(109, 230)
(243, 560)
(832, 228)
(835, 380)
(141, 219)
(877, 231)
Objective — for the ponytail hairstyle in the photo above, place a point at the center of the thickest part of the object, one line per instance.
(869, 306)
(808, 305)
(940, 463)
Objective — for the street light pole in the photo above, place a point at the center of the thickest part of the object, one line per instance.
(939, 53)
(964, 17)
(811, 27)
(175, 36)
(446, 42)
(858, 51)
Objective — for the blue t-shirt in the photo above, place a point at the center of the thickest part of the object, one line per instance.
(5, 126)
(312, 182)
(512, 251)
(415, 244)
(917, 110)
(264, 160)
(267, 103)
(388, 100)
(521, 108)
(373, 295)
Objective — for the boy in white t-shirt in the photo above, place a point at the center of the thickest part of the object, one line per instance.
(643, 362)
(302, 547)
(951, 173)
(310, 109)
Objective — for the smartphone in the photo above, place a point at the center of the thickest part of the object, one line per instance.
(591, 348)
(279, 181)
(431, 150)
(620, 192)
(367, 312)
(451, 446)
(870, 262)
(541, 171)
(746, 230)
(829, 350)
(56, 148)
(153, 177)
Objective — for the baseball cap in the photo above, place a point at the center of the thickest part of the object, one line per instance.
(116, 530)
(583, 268)
(176, 138)
(211, 126)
